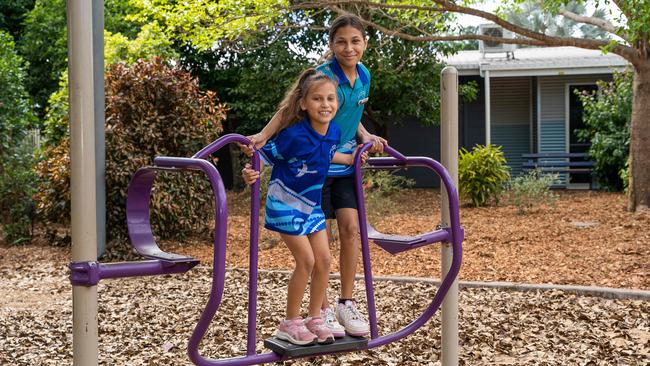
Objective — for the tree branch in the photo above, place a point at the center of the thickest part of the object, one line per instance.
(600, 23)
(623, 7)
(626, 52)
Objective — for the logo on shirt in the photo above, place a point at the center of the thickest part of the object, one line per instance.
(304, 170)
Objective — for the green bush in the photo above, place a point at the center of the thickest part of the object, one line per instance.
(607, 115)
(152, 109)
(17, 183)
(379, 185)
(482, 174)
(530, 189)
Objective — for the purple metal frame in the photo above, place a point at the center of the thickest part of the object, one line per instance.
(89, 273)
(456, 236)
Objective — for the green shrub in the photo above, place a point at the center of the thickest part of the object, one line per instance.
(530, 189)
(607, 116)
(482, 174)
(379, 185)
(152, 109)
(17, 183)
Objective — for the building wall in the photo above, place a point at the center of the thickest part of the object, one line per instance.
(552, 113)
(510, 118)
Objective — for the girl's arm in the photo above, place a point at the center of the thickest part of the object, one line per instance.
(348, 159)
(259, 139)
(365, 136)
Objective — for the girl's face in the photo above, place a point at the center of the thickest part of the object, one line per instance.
(348, 46)
(320, 103)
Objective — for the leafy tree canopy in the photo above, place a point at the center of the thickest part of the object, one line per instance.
(43, 42)
(149, 42)
(12, 14)
(15, 106)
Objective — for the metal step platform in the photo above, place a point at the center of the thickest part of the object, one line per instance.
(289, 350)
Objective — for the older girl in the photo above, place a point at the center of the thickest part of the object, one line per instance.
(347, 43)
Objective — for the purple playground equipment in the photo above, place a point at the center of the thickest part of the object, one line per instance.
(159, 262)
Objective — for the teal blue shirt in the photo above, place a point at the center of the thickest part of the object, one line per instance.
(352, 100)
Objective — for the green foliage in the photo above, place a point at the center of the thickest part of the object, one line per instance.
(532, 15)
(16, 153)
(251, 83)
(17, 187)
(482, 174)
(12, 14)
(405, 74)
(379, 185)
(44, 42)
(152, 109)
(149, 42)
(530, 189)
(44, 45)
(405, 79)
(607, 116)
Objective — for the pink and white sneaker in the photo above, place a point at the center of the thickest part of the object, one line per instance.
(329, 318)
(317, 326)
(294, 331)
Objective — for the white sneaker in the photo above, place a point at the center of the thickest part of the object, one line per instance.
(330, 321)
(351, 319)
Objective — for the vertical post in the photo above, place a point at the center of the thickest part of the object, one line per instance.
(100, 145)
(83, 176)
(449, 158)
(488, 113)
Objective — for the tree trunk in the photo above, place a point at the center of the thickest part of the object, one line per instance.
(639, 185)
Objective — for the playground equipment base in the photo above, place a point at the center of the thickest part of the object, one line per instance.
(287, 349)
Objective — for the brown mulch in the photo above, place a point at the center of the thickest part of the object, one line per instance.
(585, 238)
(148, 321)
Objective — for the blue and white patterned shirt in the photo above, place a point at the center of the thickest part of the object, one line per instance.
(300, 157)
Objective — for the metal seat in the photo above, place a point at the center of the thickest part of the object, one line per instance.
(394, 244)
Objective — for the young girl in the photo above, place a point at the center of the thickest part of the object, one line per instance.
(347, 43)
(300, 156)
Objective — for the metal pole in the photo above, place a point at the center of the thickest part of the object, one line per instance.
(83, 176)
(449, 159)
(488, 113)
(100, 145)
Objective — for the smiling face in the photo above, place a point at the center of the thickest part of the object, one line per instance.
(321, 104)
(348, 45)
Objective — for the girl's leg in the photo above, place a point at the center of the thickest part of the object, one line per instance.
(348, 223)
(346, 311)
(302, 253)
(321, 272)
(328, 229)
(319, 282)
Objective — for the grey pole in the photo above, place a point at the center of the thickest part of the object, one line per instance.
(83, 181)
(488, 112)
(100, 160)
(449, 158)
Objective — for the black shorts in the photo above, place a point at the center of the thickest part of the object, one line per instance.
(338, 192)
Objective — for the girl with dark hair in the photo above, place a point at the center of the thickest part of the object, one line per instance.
(347, 43)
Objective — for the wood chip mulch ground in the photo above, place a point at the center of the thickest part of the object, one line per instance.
(585, 238)
(148, 321)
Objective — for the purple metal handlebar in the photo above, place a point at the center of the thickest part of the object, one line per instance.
(456, 233)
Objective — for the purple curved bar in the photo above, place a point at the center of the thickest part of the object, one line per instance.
(456, 233)
(138, 221)
(219, 262)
